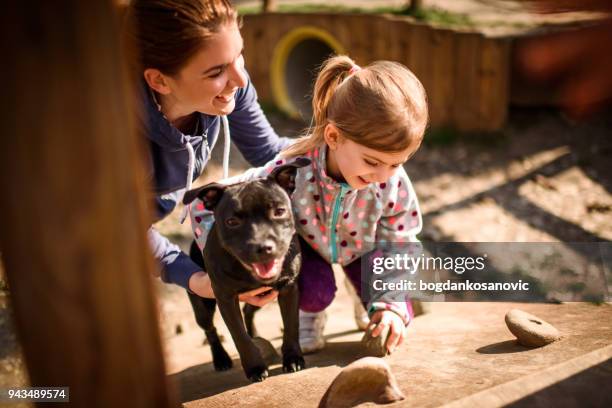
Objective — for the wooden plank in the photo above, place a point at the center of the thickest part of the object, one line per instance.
(381, 39)
(361, 39)
(402, 52)
(259, 54)
(465, 110)
(341, 30)
(442, 92)
(74, 213)
(546, 386)
(419, 55)
(494, 83)
(397, 43)
(250, 50)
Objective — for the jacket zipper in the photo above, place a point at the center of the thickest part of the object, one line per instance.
(334, 220)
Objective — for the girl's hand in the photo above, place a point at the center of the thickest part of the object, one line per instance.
(199, 283)
(256, 297)
(397, 332)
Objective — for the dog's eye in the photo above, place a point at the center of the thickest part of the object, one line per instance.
(279, 212)
(232, 222)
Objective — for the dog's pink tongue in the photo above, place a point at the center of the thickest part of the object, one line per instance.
(265, 270)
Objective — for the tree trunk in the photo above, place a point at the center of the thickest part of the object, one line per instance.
(73, 212)
(269, 5)
(414, 5)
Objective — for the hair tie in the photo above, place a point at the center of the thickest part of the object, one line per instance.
(354, 69)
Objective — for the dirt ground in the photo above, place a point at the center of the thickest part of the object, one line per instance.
(542, 179)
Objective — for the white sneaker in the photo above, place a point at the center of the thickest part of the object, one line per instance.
(361, 316)
(311, 331)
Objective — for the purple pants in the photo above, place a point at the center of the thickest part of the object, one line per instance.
(316, 281)
(317, 285)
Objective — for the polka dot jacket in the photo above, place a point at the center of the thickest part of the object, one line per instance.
(342, 224)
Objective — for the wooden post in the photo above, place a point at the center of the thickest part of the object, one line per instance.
(269, 6)
(73, 212)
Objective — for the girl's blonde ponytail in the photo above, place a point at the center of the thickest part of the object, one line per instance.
(333, 72)
(382, 106)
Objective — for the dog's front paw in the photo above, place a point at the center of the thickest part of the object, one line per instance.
(291, 364)
(221, 360)
(257, 374)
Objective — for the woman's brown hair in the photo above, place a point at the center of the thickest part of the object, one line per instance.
(382, 106)
(167, 33)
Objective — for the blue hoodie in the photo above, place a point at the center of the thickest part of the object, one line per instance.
(251, 133)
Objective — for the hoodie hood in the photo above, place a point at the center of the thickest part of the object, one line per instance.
(163, 133)
(175, 158)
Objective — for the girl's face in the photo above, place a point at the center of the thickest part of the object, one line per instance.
(358, 165)
(209, 81)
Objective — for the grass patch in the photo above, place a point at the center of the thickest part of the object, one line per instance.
(438, 16)
(427, 15)
(307, 8)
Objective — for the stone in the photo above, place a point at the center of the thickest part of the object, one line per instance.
(368, 379)
(267, 350)
(530, 330)
(376, 346)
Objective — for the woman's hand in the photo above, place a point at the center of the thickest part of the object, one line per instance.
(199, 283)
(397, 332)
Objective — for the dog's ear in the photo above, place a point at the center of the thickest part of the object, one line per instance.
(284, 175)
(210, 194)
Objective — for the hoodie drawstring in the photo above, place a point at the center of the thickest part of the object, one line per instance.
(226, 146)
(190, 167)
(189, 178)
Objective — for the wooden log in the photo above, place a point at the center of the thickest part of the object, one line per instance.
(74, 212)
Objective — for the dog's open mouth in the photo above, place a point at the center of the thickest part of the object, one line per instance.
(267, 270)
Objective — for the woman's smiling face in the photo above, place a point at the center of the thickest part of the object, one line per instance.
(209, 80)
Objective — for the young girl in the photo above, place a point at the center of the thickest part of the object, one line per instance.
(355, 194)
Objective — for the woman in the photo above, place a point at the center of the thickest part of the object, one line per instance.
(190, 57)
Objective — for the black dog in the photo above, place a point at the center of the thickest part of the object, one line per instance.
(252, 243)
